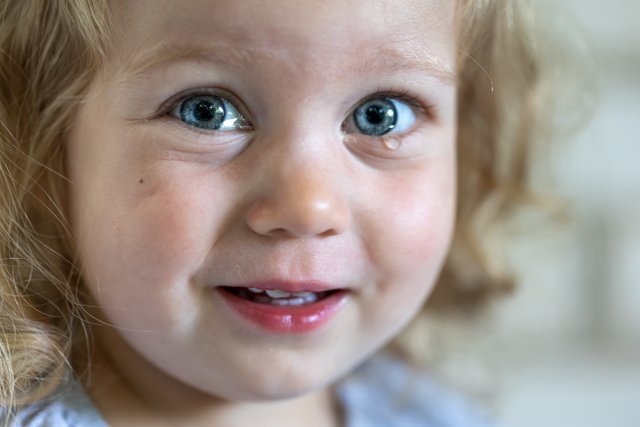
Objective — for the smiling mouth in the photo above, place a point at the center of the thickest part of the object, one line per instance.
(278, 297)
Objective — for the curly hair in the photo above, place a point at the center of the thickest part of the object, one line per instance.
(49, 53)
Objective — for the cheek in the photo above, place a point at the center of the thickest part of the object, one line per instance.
(141, 242)
(414, 229)
(164, 224)
(409, 234)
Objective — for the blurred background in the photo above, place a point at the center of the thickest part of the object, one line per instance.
(569, 338)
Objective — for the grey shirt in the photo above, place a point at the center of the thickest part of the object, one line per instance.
(382, 392)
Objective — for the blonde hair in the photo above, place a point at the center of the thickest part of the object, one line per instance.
(50, 51)
(504, 86)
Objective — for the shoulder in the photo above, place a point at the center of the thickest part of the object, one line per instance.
(69, 407)
(384, 392)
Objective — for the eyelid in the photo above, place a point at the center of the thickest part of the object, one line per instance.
(172, 103)
(420, 107)
(392, 146)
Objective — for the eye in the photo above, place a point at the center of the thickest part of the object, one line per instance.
(380, 116)
(210, 112)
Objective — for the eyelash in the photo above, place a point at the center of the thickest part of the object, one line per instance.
(420, 107)
(175, 101)
(391, 141)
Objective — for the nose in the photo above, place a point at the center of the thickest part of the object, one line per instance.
(297, 197)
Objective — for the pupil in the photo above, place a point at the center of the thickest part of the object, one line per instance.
(204, 111)
(375, 114)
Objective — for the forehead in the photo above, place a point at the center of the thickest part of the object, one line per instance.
(419, 31)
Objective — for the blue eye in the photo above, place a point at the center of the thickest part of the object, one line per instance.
(379, 116)
(210, 112)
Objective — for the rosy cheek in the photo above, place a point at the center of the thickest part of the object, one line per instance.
(414, 233)
(417, 247)
(164, 226)
(407, 243)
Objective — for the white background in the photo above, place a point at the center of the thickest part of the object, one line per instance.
(571, 334)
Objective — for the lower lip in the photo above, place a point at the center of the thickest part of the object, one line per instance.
(286, 319)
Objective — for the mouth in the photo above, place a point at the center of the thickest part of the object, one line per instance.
(300, 309)
(279, 297)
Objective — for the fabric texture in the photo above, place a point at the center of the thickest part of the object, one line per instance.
(383, 392)
(69, 407)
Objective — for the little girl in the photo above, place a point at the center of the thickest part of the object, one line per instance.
(217, 213)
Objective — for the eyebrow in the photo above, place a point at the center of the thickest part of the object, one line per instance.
(393, 58)
(234, 57)
(396, 59)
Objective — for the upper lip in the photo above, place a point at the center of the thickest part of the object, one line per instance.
(288, 286)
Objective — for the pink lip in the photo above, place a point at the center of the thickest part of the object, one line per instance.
(286, 319)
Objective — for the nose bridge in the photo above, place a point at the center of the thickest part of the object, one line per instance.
(299, 189)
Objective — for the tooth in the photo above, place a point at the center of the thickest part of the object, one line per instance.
(278, 294)
(256, 290)
(310, 298)
(296, 301)
(302, 294)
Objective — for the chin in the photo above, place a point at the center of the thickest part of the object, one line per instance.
(285, 382)
(286, 385)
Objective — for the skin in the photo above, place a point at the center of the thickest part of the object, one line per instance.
(162, 212)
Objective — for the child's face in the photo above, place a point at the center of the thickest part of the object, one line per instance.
(219, 147)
